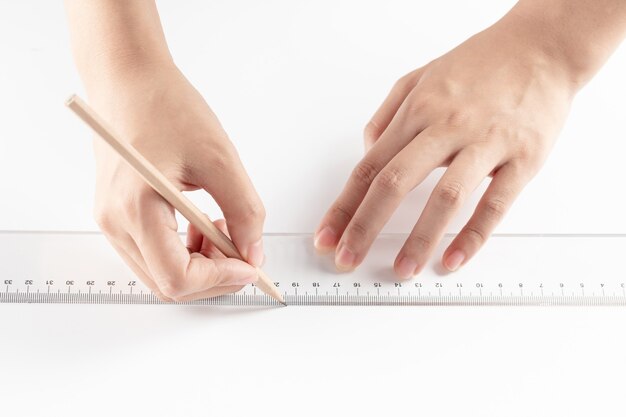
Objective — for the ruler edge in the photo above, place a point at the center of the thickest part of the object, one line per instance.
(246, 300)
(303, 234)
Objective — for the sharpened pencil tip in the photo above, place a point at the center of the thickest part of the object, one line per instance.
(283, 303)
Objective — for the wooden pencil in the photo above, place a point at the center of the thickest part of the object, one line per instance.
(167, 190)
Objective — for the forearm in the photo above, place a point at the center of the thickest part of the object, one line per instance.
(115, 39)
(579, 34)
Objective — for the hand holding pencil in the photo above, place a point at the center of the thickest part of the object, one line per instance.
(138, 218)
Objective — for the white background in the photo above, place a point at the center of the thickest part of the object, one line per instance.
(294, 82)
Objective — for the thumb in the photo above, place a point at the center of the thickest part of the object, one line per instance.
(175, 271)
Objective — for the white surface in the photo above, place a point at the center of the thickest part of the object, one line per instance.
(317, 70)
(188, 361)
(293, 82)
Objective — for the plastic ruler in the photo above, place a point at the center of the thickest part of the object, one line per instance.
(512, 269)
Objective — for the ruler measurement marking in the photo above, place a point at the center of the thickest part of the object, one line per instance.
(348, 299)
(493, 290)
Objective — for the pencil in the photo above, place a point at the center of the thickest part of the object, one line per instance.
(167, 190)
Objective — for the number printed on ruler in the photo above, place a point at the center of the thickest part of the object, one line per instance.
(512, 270)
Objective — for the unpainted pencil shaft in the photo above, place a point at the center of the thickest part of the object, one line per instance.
(167, 190)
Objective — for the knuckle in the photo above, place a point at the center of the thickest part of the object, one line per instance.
(392, 181)
(357, 231)
(253, 211)
(522, 169)
(419, 242)
(131, 207)
(112, 212)
(527, 152)
(432, 139)
(532, 165)
(372, 130)
(365, 172)
(409, 80)
(416, 106)
(494, 208)
(475, 234)
(340, 213)
(457, 118)
(133, 202)
(477, 154)
(405, 82)
(115, 207)
(221, 159)
(495, 131)
(450, 194)
(105, 220)
(172, 288)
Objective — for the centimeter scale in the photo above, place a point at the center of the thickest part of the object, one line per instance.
(81, 267)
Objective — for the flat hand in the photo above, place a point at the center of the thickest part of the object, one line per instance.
(492, 107)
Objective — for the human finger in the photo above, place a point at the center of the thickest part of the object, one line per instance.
(504, 188)
(465, 173)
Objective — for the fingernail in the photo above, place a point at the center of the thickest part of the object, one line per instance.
(255, 253)
(247, 280)
(325, 239)
(345, 259)
(454, 260)
(406, 268)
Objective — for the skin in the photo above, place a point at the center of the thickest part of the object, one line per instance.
(492, 107)
(132, 82)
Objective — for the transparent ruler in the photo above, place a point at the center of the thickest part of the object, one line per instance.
(76, 267)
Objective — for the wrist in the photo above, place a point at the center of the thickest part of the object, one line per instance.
(114, 69)
(114, 41)
(575, 36)
(542, 44)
